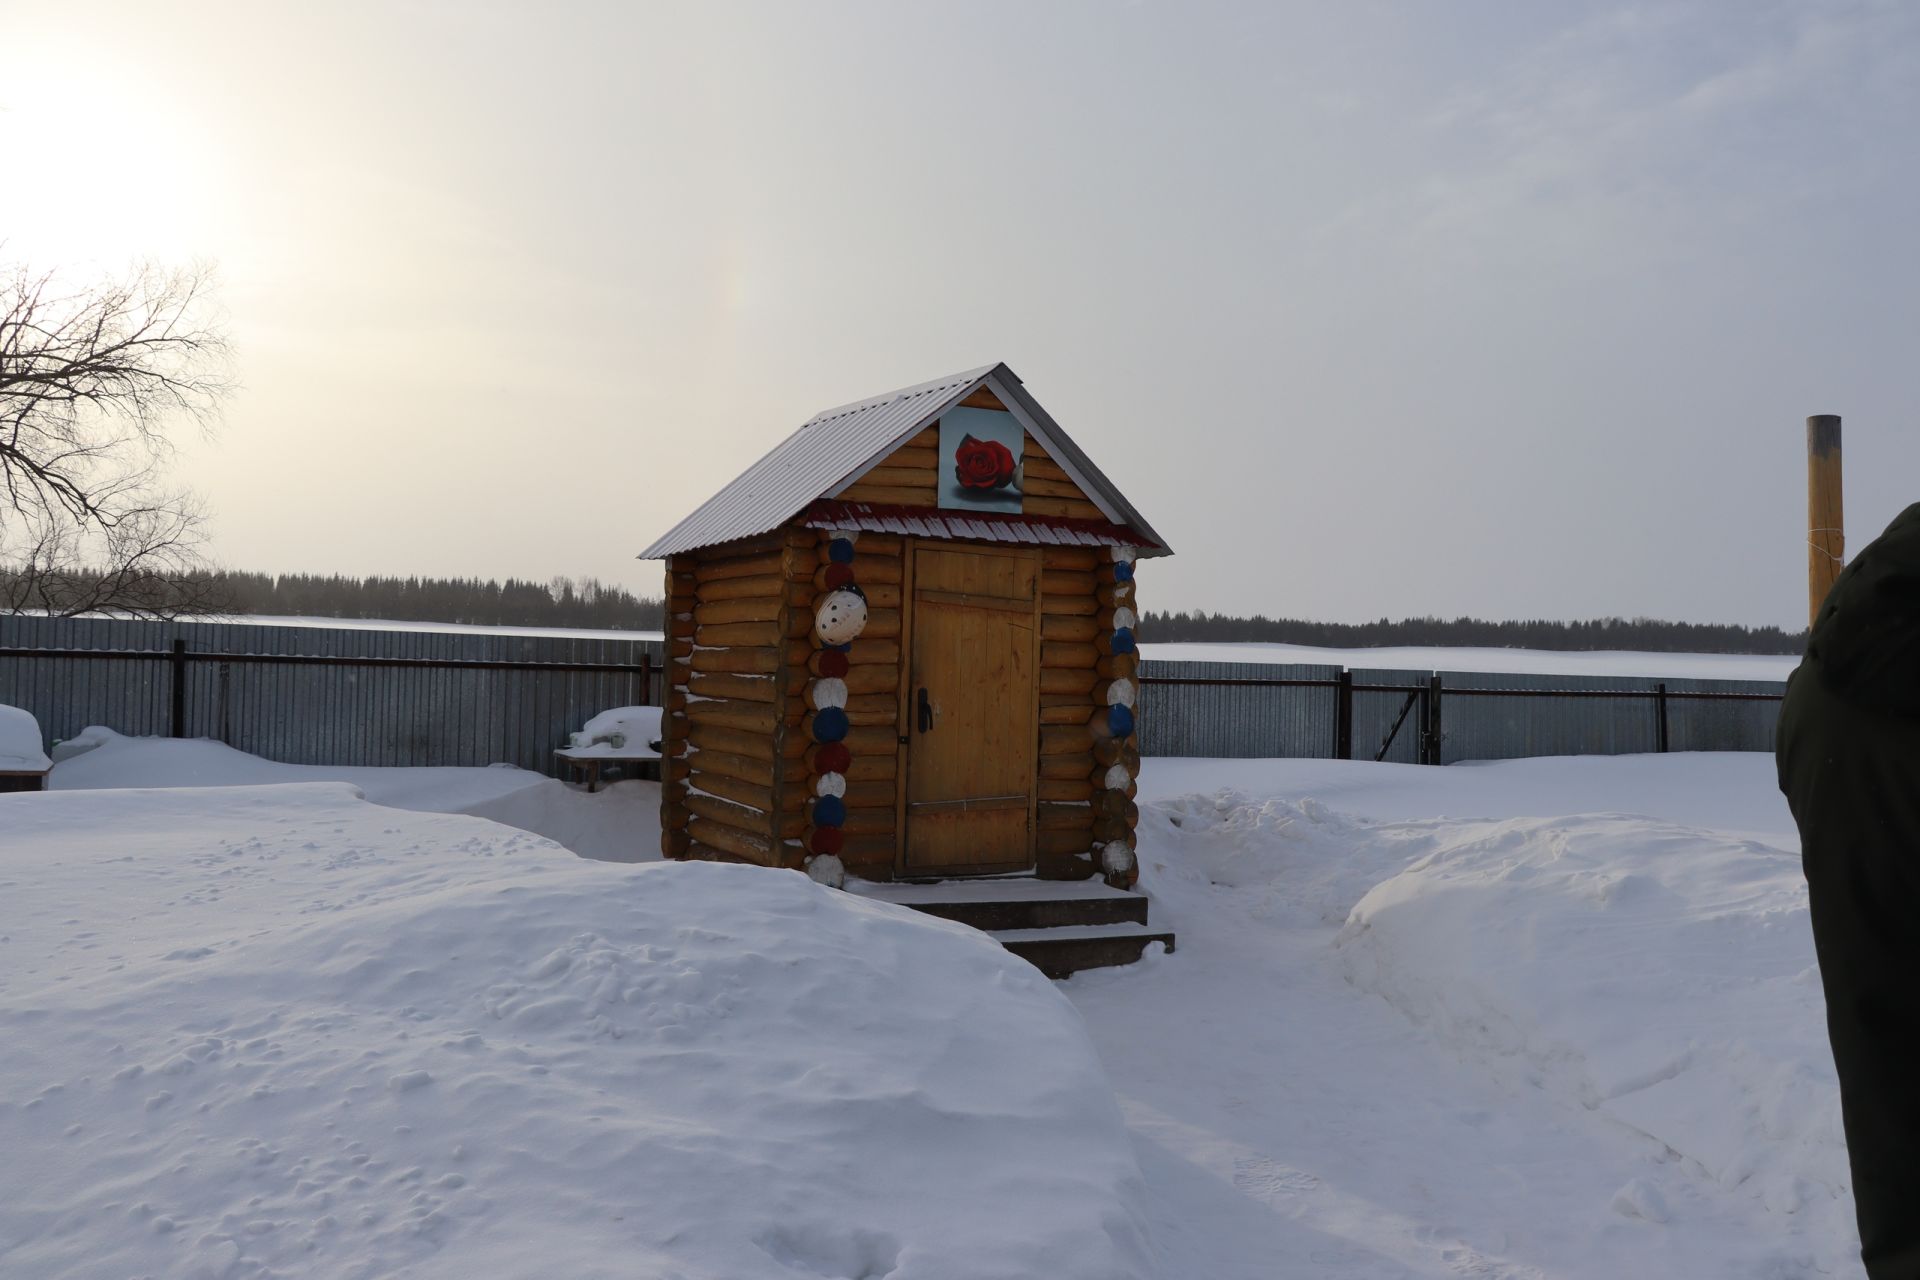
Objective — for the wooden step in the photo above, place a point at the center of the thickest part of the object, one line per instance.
(1060, 952)
(1059, 926)
(1018, 903)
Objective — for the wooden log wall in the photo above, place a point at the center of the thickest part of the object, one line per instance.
(1114, 726)
(1046, 489)
(850, 803)
(674, 748)
(907, 477)
(1072, 619)
(734, 616)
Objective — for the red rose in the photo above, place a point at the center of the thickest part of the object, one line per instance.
(982, 464)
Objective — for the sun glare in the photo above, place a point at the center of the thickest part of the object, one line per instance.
(103, 169)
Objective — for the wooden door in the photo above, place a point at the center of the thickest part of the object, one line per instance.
(971, 711)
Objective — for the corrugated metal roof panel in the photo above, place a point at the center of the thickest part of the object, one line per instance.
(837, 445)
(809, 462)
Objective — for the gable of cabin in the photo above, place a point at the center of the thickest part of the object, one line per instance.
(909, 476)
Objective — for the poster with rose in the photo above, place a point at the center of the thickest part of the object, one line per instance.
(980, 453)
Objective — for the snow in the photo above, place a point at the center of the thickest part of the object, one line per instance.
(624, 733)
(1574, 1032)
(437, 628)
(1533, 944)
(1660, 666)
(618, 823)
(20, 742)
(277, 1030)
(1535, 1018)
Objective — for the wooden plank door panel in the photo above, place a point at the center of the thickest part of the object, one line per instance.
(971, 744)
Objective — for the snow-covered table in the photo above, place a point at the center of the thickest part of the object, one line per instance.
(624, 735)
(23, 765)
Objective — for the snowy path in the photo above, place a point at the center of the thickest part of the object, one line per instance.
(1305, 1129)
(1290, 1125)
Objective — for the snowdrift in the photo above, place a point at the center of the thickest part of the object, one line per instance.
(619, 823)
(277, 1030)
(1293, 861)
(20, 741)
(1662, 975)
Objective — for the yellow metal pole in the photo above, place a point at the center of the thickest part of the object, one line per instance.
(1826, 518)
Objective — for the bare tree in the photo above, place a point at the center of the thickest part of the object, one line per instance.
(92, 375)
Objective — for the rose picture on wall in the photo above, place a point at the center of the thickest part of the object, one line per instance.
(980, 451)
(982, 464)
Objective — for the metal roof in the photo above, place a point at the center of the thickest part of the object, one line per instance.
(837, 446)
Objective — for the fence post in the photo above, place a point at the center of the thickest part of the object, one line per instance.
(1425, 695)
(1343, 718)
(1430, 745)
(178, 662)
(1660, 706)
(646, 677)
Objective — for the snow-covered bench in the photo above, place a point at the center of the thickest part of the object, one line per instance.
(624, 735)
(23, 765)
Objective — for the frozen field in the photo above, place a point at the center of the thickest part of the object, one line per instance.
(1540, 1018)
(1672, 666)
(1604, 662)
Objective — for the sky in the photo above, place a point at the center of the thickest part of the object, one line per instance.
(1374, 309)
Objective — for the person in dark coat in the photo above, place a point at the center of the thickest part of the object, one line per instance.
(1848, 752)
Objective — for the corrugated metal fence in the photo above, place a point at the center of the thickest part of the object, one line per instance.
(1426, 717)
(319, 695)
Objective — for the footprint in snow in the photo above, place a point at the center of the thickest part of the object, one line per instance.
(1265, 1180)
(1463, 1261)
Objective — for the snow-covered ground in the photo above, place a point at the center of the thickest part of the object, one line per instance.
(276, 1030)
(1509, 1043)
(618, 823)
(1604, 662)
(438, 628)
(1534, 1018)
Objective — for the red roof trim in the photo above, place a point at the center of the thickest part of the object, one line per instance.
(992, 526)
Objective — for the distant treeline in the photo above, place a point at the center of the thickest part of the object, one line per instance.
(591, 604)
(1648, 634)
(489, 602)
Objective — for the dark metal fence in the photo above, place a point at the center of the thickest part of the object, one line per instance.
(322, 695)
(1430, 717)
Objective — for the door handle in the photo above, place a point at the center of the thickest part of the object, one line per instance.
(926, 712)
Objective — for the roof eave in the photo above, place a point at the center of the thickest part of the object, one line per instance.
(663, 546)
(686, 534)
(1006, 384)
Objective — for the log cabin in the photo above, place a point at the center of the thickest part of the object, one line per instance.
(900, 647)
